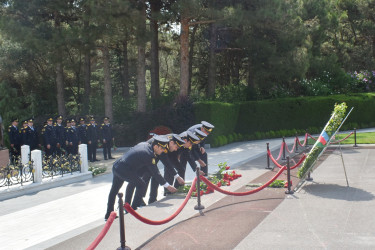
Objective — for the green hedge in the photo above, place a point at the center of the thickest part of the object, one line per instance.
(281, 117)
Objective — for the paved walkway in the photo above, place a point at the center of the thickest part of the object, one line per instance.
(70, 217)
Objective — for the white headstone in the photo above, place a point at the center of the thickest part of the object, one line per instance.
(36, 157)
(25, 154)
(82, 148)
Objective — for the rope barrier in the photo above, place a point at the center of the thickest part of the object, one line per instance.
(281, 151)
(334, 142)
(294, 146)
(280, 166)
(104, 231)
(304, 142)
(210, 184)
(153, 222)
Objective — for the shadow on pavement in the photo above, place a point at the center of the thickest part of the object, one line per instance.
(337, 192)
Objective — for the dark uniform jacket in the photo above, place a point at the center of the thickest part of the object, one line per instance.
(139, 159)
(92, 133)
(60, 134)
(164, 159)
(14, 135)
(30, 137)
(49, 135)
(195, 151)
(82, 133)
(72, 135)
(106, 132)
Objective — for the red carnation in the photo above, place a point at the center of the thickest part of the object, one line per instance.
(227, 167)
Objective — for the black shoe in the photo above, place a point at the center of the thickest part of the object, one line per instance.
(96, 160)
(106, 216)
(111, 157)
(143, 204)
(92, 161)
(105, 159)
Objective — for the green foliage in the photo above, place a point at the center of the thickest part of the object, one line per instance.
(277, 184)
(96, 170)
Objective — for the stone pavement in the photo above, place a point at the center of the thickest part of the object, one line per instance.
(326, 214)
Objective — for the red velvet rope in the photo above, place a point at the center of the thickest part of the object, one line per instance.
(243, 193)
(304, 143)
(153, 222)
(294, 146)
(312, 137)
(104, 231)
(281, 151)
(334, 142)
(279, 166)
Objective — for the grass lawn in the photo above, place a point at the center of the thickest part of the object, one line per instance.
(362, 138)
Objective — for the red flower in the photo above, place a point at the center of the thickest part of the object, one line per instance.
(227, 167)
(219, 184)
(228, 183)
(202, 192)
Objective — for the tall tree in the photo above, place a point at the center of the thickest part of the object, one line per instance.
(141, 59)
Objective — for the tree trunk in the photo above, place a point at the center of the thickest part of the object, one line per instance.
(155, 85)
(108, 109)
(141, 64)
(212, 62)
(60, 89)
(87, 85)
(191, 54)
(125, 70)
(250, 77)
(184, 60)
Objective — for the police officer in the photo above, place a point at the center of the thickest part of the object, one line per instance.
(175, 142)
(132, 165)
(49, 137)
(107, 138)
(82, 131)
(30, 135)
(183, 155)
(92, 139)
(198, 151)
(60, 135)
(24, 126)
(73, 137)
(67, 132)
(15, 140)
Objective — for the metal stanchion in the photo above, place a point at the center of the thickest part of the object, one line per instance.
(284, 148)
(309, 178)
(307, 139)
(289, 191)
(122, 223)
(355, 138)
(199, 206)
(268, 157)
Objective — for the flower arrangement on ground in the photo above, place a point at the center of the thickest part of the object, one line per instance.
(222, 177)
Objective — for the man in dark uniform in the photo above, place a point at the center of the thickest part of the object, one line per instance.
(175, 142)
(24, 126)
(82, 131)
(183, 156)
(107, 138)
(92, 139)
(132, 165)
(15, 140)
(60, 135)
(49, 137)
(30, 135)
(198, 151)
(73, 137)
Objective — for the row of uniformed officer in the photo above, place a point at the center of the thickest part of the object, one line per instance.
(177, 152)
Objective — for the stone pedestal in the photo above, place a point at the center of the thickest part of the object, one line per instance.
(36, 157)
(82, 149)
(25, 154)
(4, 157)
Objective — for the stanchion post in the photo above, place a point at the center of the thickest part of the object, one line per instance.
(283, 148)
(268, 157)
(309, 178)
(296, 143)
(355, 137)
(307, 139)
(199, 206)
(122, 223)
(289, 191)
